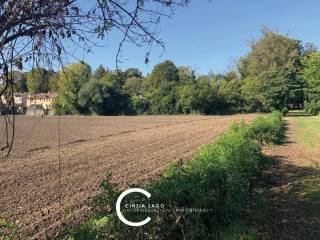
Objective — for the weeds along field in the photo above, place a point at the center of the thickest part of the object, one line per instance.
(131, 149)
(204, 198)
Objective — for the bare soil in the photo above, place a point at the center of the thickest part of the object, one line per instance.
(131, 149)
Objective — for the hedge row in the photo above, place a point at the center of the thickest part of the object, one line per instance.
(215, 185)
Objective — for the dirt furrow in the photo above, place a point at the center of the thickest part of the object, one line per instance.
(135, 150)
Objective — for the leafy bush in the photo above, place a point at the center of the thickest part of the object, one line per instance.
(217, 182)
(101, 98)
(238, 232)
(90, 230)
(267, 130)
(313, 107)
(138, 104)
(284, 111)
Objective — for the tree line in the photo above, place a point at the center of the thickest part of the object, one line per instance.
(277, 73)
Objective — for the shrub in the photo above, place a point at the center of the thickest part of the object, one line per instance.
(313, 107)
(267, 130)
(89, 230)
(138, 104)
(218, 181)
(238, 232)
(284, 111)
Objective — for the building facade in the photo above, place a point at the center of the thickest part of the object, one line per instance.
(36, 103)
(30, 104)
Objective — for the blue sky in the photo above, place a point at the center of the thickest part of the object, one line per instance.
(212, 35)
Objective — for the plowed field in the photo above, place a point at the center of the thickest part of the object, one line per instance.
(132, 149)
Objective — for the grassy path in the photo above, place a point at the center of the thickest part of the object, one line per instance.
(308, 133)
(293, 183)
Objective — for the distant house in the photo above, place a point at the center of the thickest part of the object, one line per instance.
(19, 103)
(30, 104)
(40, 104)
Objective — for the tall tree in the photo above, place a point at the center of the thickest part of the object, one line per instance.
(188, 99)
(162, 88)
(132, 72)
(207, 99)
(270, 56)
(100, 72)
(311, 74)
(162, 73)
(20, 79)
(229, 86)
(38, 80)
(133, 86)
(101, 98)
(71, 79)
(53, 82)
(186, 75)
(271, 52)
(115, 78)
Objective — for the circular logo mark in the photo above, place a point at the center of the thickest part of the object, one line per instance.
(118, 207)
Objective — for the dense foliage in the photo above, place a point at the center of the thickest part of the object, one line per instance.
(311, 74)
(278, 73)
(218, 181)
(270, 73)
(71, 79)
